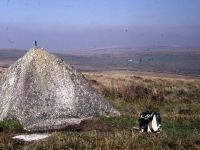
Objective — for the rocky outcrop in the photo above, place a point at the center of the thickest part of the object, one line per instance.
(43, 92)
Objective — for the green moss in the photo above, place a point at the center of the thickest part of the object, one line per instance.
(10, 125)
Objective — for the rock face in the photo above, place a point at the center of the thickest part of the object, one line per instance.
(43, 92)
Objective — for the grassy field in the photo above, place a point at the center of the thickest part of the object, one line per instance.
(176, 98)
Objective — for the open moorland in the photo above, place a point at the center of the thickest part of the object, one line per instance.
(176, 60)
(176, 97)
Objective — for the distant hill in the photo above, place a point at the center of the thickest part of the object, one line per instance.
(164, 59)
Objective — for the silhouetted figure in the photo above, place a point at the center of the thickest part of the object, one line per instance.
(35, 43)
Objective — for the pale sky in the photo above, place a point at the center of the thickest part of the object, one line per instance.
(62, 25)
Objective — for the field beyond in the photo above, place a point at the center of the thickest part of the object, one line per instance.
(177, 98)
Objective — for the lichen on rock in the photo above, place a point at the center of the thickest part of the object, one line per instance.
(43, 92)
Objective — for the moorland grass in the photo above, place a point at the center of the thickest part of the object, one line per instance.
(178, 102)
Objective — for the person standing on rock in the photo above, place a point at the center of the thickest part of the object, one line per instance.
(35, 43)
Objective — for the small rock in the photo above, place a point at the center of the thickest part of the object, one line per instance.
(31, 137)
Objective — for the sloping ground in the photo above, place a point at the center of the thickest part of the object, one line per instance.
(167, 94)
(178, 101)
